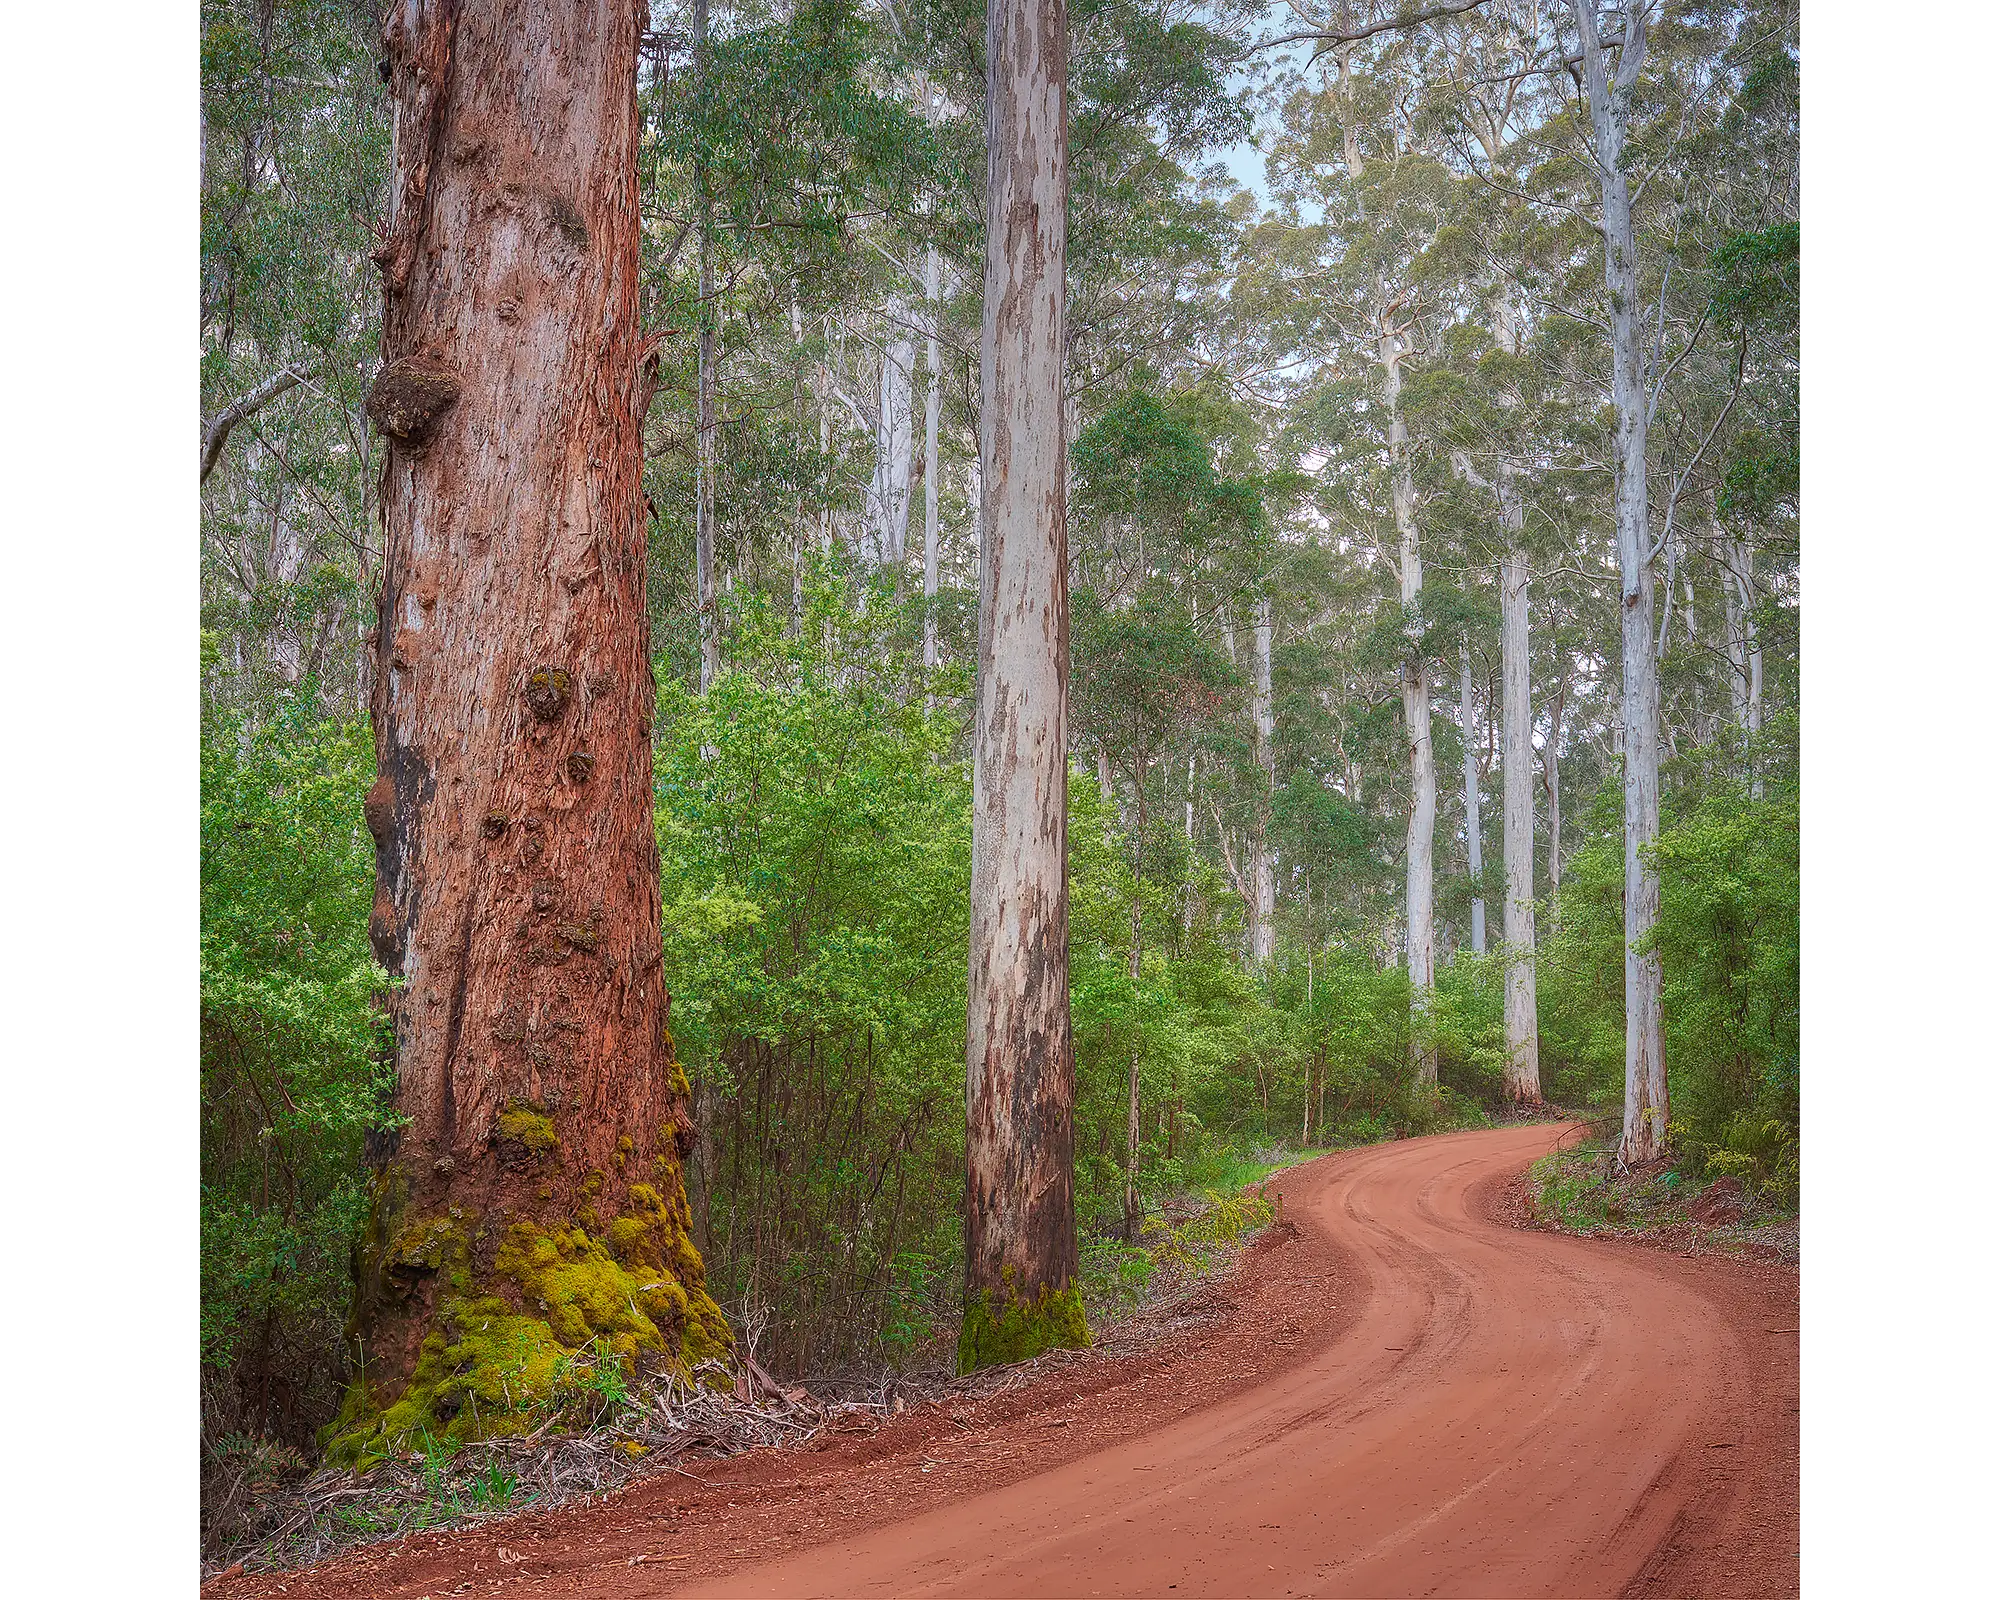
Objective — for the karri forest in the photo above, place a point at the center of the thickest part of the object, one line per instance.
(932, 732)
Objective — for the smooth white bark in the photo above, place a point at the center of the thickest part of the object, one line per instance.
(933, 403)
(707, 617)
(889, 492)
(1517, 779)
(1264, 867)
(1474, 863)
(1420, 935)
(1610, 92)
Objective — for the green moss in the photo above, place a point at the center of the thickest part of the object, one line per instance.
(504, 1350)
(1007, 1326)
(527, 1127)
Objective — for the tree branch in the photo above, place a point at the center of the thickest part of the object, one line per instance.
(215, 431)
(1328, 40)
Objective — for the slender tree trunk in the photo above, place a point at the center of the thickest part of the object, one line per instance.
(933, 403)
(1552, 787)
(889, 496)
(1020, 1222)
(1517, 845)
(1306, 1122)
(517, 891)
(708, 618)
(1263, 933)
(1474, 865)
(1746, 651)
(1645, 1131)
(1132, 1075)
(1420, 947)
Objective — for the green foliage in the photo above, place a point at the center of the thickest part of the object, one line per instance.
(292, 1044)
(1728, 938)
(815, 836)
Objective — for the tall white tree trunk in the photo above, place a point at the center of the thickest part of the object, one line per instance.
(1263, 934)
(1517, 847)
(1420, 937)
(1552, 786)
(1523, 1071)
(1020, 1218)
(933, 403)
(707, 618)
(1474, 864)
(1645, 1130)
(889, 494)
(1746, 651)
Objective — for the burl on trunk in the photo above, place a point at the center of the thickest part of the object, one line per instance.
(529, 1218)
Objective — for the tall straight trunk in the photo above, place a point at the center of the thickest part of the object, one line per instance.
(1746, 651)
(1265, 882)
(1020, 1218)
(1522, 1073)
(933, 404)
(1420, 939)
(517, 890)
(1645, 1130)
(1517, 845)
(1552, 786)
(1132, 1072)
(707, 618)
(889, 494)
(1474, 865)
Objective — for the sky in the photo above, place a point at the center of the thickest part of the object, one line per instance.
(1243, 159)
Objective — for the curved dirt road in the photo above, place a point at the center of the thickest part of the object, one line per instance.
(1501, 1419)
(1446, 1405)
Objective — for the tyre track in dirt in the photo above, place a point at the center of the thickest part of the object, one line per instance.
(1410, 1398)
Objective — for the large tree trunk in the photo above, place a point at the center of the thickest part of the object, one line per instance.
(1020, 1221)
(1420, 947)
(1517, 844)
(532, 1203)
(1475, 866)
(1645, 1130)
(1263, 936)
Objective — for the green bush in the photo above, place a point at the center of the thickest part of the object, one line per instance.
(291, 1061)
(1728, 939)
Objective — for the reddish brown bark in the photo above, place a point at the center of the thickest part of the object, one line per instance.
(518, 875)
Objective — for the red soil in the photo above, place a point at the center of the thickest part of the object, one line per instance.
(1406, 1397)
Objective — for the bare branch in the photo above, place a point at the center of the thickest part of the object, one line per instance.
(215, 431)
(1327, 39)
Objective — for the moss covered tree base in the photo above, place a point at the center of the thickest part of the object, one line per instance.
(1004, 1327)
(528, 1320)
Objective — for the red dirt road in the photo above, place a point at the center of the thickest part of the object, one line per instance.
(1440, 1404)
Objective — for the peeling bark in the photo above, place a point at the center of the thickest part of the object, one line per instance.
(1020, 1225)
